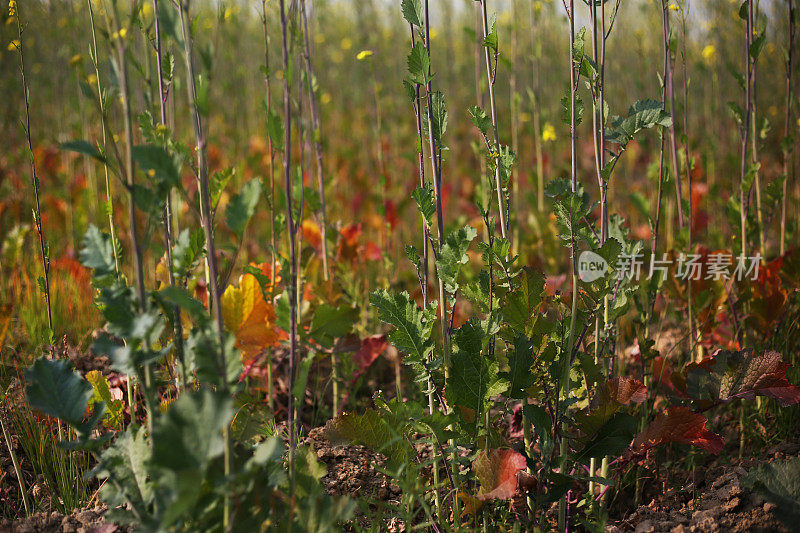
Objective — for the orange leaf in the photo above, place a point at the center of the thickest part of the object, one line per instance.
(679, 424)
(249, 317)
(311, 233)
(497, 469)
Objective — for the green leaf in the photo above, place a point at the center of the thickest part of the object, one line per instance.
(412, 12)
(566, 111)
(425, 202)
(102, 394)
(758, 45)
(419, 64)
(779, 483)
(413, 327)
(330, 323)
(126, 462)
(490, 40)
(521, 306)
(275, 129)
(55, 389)
(186, 254)
(453, 255)
(217, 184)
(474, 378)
(612, 438)
(178, 296)
(242, 207)
(165, 166)
(438, 117)
(97, 253)
(185, 440)
(85, 148)
(641, 115)
(520, 360)
(480, 119)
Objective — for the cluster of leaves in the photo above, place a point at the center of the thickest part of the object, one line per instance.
(171, 475)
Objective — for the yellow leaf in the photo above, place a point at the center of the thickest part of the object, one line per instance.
(249, 316)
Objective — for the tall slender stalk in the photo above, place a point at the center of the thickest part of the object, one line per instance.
(208, 229)
(694, 348)
(564, 386)
(119, 38)
(516, 201)
(109, 205)
(670, 90)
(271, 149)
(167, 215)
(287, 164)
(754, 135)
(743, 206)
(436, 171)
(653, 248)
(425, 273)
(317, 136)
(490, 79)
(787, 120)
(44, 247)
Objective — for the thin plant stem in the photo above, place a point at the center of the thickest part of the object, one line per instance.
(786, 124)
(44, 248)
(128, 168)
(744, 137)
(287, 162)
(109, 205)
(167, 215)
(490, 79)
(206, 218)
(673, 139)
(694, 348)
(271, 149)
(317, 136)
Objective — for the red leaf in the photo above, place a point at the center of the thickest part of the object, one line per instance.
(679, 424)
(371, 349)
(497, 469)
(727, 376)
(622, 390)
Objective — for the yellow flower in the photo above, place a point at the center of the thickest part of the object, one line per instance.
(548, 132)
(325, 99)
(347, 44)
(14, 45)
(363, 54)
(537, 6)
(674, 7)
(91, 79)
(12, 8)
(709, 52)
(75, 60)
(123, 32)
(147, 9)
